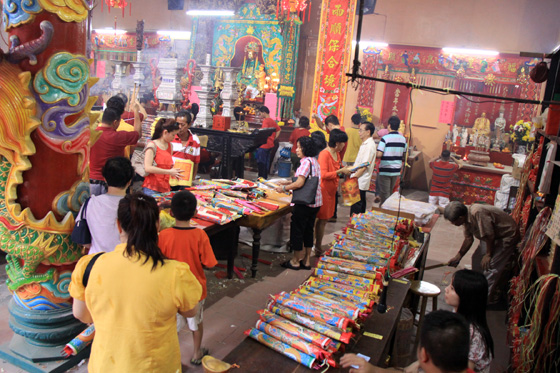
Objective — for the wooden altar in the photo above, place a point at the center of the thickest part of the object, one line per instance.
(472, 184)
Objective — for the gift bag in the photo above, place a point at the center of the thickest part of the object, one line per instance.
(350, 192)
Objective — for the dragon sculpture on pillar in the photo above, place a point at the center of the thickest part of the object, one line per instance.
(45, 137)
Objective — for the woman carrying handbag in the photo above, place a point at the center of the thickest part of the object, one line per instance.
(307, 200)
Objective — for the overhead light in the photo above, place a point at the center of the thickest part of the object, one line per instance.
(480, 52)
(378, 44)
(185, 35)
(556, 49)
(109, 30)
(215, 13)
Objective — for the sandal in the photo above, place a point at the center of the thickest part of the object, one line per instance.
(303, 266)
(199, 360)
(288, 264)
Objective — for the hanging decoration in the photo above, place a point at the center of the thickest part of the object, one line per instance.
(490, 80)
(121, 4)
(284, 8)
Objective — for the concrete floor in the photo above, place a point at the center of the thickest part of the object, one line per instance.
(232, 304)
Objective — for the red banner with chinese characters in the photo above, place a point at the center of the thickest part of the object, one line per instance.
(333, 55)
(395, 102)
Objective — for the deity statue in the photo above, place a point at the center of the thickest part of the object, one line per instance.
(455, 134)
(474, 139)
(240, 92)
(464, 137)
(219, 78)
(250, 69)
(482, 125)
(500, 125)
(261, 82)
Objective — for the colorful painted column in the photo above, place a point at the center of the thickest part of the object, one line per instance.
(333, 56)
(45, 128)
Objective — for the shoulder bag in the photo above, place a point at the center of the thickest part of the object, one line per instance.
(85, 279)
(81, 234)
(137, 160)
(307, 193)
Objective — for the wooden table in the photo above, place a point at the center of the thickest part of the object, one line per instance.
(258, 223)
(252, 356)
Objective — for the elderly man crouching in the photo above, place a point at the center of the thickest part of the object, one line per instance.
(498, 235)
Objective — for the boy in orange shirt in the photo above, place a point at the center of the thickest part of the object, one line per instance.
(192, 246)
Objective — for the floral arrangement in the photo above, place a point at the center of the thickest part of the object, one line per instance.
(365, 113)
(521, 132)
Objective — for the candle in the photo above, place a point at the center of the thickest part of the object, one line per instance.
(208, 58)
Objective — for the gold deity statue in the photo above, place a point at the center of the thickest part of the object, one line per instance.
(261, 80)
(219, 78)
(250, 69)
(482, 126)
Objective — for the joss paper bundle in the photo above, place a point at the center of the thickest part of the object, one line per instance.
(347, 270)
(329, 331)
(214, 216)
(363, 249)
(235, 194)
(336, 252)
(338, 307)
(325, 283)
(362, 283)
(295, 342)
(230, 206)
(325, 306)
(362, 307)
(361, 266)
(295, 329)
(317, 312)
(283, 348)
(77, 344)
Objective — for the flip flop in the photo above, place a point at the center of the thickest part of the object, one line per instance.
(303, 266)
(288, 264)
(199, 361)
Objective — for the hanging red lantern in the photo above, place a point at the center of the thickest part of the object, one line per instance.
(292, 6)
(121, 4)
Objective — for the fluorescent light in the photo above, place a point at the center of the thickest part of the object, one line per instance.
(365, 43)
(217, 13)
(480, 52)
(186, 35)
(556, 49)
(109, 30)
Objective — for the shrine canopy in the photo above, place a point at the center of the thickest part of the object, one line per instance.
(249, 40)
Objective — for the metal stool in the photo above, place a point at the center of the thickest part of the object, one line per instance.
(424, 290)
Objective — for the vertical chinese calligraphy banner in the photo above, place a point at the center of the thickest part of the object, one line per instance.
(395, 102)
(333, 54)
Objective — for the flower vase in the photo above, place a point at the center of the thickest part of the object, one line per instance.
(521, 149)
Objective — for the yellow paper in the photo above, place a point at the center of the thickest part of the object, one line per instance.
(187, 175)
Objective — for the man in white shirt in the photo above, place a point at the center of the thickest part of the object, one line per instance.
(366, 153)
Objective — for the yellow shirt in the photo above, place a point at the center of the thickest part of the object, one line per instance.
(134, 311)
(354, 143)
(123, 126)
(313, 127)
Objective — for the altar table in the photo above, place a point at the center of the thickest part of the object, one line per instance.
(253, 357)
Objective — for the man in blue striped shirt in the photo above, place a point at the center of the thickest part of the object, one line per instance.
(391, 150)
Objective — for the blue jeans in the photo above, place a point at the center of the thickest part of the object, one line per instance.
(149, 192)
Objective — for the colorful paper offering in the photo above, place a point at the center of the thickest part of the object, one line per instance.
(295, 342)
(329, 331)
(283, 348)
(295, 329)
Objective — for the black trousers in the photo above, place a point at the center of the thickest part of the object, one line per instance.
(301, 227)
(360, 206)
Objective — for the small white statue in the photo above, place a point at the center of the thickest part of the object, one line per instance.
(455, 134)
(475, 138)
(500, 126)
(464, 137)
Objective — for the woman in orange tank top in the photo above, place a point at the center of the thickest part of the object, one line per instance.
(159, 152)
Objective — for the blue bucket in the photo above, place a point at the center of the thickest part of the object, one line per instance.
(284, 168)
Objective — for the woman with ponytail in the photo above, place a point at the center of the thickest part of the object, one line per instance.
(158, 161)
(133, 294)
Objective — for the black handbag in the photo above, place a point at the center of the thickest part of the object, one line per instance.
(308, 192)
(81, 234)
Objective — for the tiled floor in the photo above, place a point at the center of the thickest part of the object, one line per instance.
(227, 318)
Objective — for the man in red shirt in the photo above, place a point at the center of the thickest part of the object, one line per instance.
(186, 144)
(443, 167)
(301, 131)
(263, 153)
(110, 144)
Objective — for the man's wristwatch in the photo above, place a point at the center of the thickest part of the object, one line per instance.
(284, 188)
